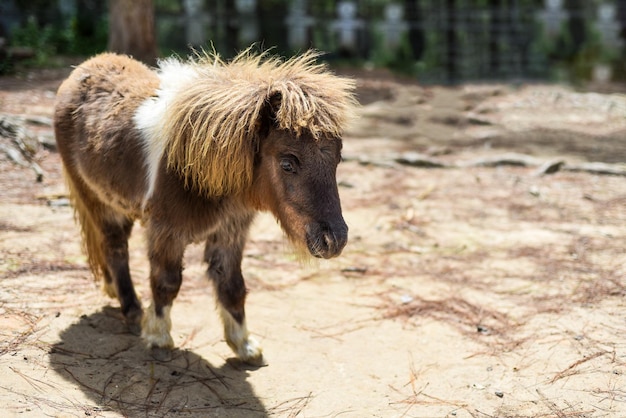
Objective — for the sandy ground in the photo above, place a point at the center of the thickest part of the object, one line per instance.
(475, 290)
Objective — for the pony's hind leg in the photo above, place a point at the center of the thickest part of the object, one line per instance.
(117, 279)
(105, 235)
(225, 271)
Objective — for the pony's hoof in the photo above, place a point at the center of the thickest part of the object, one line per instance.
(250, 352)
(161, 354)
(133, 321)
(256, 361)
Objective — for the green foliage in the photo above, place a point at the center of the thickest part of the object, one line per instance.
(39, 39)
(49, 40)
(570, 62)
(73, 40)
(592, 53)
(399, 59)
(168, 6)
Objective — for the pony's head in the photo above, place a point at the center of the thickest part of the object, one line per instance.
(267, 129)
(295, 178)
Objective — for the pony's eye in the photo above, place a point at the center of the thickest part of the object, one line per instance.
(287, 166)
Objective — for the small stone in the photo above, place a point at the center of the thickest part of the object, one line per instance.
(499, 394)
(354, 269)
(60, 202)
(534, 191)
(414, 159)
(550, 167)
(404, 299)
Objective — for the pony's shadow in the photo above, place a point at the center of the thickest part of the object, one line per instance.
(114, 369)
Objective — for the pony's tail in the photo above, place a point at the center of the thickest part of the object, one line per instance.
(90, 232)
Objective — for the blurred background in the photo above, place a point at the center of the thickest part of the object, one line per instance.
(435, 41)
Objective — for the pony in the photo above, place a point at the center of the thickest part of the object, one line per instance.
(193, 149)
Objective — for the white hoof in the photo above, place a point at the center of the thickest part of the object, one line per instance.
(250, 351)
(239, 340)
(155, 330)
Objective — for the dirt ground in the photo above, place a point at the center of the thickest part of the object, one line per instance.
(477, 282)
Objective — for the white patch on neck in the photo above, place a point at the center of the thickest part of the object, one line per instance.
(150, 115)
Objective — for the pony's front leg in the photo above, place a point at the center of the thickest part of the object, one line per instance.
(165, 279)
(225, 272)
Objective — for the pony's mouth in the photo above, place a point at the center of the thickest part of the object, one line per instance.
(324, 241)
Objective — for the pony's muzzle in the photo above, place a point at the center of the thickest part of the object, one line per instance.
(325, 240)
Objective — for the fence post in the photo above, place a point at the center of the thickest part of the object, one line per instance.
(246, 22)
(553, 17)
(195, 21)
(394, 26)
(347, 27)
(298, 23)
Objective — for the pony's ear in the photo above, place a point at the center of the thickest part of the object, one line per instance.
(268, 114)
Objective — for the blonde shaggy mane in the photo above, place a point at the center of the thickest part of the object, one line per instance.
(212, 123)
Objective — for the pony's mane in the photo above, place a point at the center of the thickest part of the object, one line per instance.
(213, 120)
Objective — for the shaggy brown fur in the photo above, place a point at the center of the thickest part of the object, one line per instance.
(193, 151)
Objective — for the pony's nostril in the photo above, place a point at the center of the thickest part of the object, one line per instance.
(329, 242)
(326, 241)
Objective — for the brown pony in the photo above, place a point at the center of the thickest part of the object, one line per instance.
(193, 150)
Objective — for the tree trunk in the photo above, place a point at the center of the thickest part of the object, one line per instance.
(415, 17)
(132, 29)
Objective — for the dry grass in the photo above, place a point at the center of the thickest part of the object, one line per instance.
(516, 267)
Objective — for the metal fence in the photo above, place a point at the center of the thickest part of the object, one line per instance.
(436, 40)
(442, 41)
